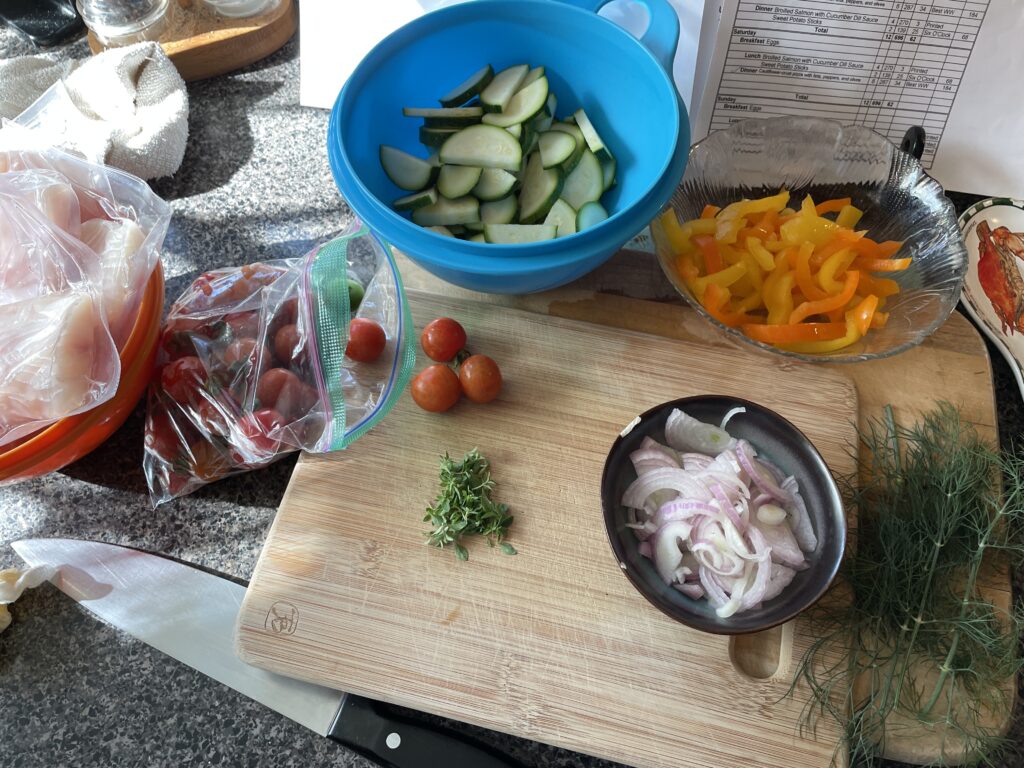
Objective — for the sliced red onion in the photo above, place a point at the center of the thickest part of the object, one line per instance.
(644, 530)
(665, 478)
(644, 548)
(762, 477)
(716, 595)
(777, 474)
(668, 555)
(740, 587)
(757, 589)
(693, 591)
(646, 459)
(730, 413)
(730, 482)
(681, 509)
(694, 462)
(779, 578)
(783, 545)
(713, 558)
(685, 433)
(802, 528)
(725, 504)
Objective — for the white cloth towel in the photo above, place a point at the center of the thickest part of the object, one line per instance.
(126, 107)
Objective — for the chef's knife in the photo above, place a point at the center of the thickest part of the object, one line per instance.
(190, 614)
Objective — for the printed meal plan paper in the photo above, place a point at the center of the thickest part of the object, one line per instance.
(951, 66)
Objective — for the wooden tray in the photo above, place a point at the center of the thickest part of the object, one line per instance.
(202, 44)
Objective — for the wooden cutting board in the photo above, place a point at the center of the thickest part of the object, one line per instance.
(552, 644)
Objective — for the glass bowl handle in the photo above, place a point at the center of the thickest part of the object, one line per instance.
(913, 141)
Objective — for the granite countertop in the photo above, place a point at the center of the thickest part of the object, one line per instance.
(255, 184)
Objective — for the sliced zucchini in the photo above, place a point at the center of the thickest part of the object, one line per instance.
(516, 130)
(457, 180)
(513, 234)
(407, 171)
(476, 226)
(523, 105)
(477, 238)
(590, 214)
(540, 188)
(531, 144)
(460, 229)
(534, 74)
(541, 123)
(456, 117)
(586, 182)
(608, 165)
(503, 87)
(581, 144)
(443, 231)
(570, 128)
(466, 90)
(551, 105)
(484, 146)
(500, 211)
(435, 137)
(555, 147)
(462, 210)
(494, 184)
(416, 200)
(563, 216)
(590, 134)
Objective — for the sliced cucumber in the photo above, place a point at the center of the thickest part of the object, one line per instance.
(477, 238)
(590, 214)
(500, 211)
(522, 106)
(443, 231)
(563, 216)
(590, 134)
(466, 90)
(586, 182)
(516, 130)
(555, 147)
(494, 184)
(531, 144)
(462, 210)
(434, 117)
(407, 171)
(513, 234)
(534, 74)
(571, 129)
(476, 226)
(503, 87)
(416, 200)
(541, 123)
(435, 137)
(457, 180)
(484, 146)
(608, 167)
(541, 187)
(551, 105)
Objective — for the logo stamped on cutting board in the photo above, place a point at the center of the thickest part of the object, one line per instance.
(282, 618)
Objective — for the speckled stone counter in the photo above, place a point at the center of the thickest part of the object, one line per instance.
(255, 184)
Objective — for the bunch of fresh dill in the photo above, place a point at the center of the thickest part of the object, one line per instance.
(908, 639)
(464, 506)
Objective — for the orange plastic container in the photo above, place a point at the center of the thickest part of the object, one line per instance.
(72, 438)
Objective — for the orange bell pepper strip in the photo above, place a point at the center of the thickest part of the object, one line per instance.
(715, 299)
(790, 333)
(768, 224)
(804, 279)
(708, 249)
(882, 287)
(889, 248)
(852, 336)
(832, 206)
(863, 313)
(686, 267)
(710, 211)
(824, 306)
(883, 265)
(879, 319)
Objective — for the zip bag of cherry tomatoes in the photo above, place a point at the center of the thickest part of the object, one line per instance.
(258, 361)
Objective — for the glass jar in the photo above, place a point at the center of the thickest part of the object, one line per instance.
(123, 22)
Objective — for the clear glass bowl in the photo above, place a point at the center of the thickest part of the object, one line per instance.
(825, 159)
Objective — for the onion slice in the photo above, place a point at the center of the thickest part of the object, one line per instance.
(685, 433)
(664, 478)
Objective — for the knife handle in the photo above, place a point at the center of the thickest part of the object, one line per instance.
(399, 743)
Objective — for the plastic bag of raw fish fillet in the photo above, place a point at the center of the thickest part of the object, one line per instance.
(252, 363)
(78, 242)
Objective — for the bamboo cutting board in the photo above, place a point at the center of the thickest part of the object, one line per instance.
(552, 644)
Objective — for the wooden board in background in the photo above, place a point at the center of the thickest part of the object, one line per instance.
(553, 644)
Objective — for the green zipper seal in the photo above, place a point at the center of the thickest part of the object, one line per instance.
(331, 312)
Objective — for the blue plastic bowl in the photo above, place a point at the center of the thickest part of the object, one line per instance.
(590, 62)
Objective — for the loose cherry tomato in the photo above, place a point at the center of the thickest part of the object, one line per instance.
(436, 388)
(442, 339)
(480, 378)
(260, 431)
(181, 378)
(366, 340)
(282, 390)
(290, 346)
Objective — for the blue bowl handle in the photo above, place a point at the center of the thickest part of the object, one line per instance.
(662, 35)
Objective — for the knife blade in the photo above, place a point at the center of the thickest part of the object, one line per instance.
(190, 614)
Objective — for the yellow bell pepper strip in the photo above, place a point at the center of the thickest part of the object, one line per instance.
(790, 333)
(715, 300)
(879, 319)
(849, 216)
(852, 336)
(707, 246)
(677, 237)
(807, 207)
(824, 306)
(767, 224)
(803, 228)
(710, 211)
(687, 268)
(761, 255)
(832, 269)
(835, 205)
(882, 265)
(723, 278)
(804, 279)
(780, 300)
(864, 312)
(751, 303)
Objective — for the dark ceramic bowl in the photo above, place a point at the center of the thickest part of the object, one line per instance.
(780, 443)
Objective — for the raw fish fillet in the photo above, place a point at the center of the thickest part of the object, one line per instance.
(116, 243)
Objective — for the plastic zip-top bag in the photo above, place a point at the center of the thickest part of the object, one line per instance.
(252, 363)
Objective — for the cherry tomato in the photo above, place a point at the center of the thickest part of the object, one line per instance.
(214, 415)
(436, 388)
(290, 346)
(161, 439)
(260, 431)
(181, 378)
(207, 463)
(282, 390)
(366, 340)
(480, 378)
(246, 350)
(442, 339)
(240, 287)
(243, 324)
